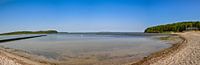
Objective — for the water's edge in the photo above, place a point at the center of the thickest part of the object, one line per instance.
(162, 53)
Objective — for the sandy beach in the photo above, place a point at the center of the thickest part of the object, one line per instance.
(6, 61)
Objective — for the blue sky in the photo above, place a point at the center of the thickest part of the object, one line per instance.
(94, 15)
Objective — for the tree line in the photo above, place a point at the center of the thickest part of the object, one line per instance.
(174, 27)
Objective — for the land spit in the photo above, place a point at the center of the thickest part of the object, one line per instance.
(20, 38)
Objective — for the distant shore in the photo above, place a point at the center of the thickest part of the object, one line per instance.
(183, 53)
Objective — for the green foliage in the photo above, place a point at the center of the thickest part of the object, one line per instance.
(31, 32)
(174, 27)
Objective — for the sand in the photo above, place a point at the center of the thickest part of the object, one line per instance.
(7, 58)
(6, 61)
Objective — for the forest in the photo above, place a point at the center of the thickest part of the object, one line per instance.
(174, 27)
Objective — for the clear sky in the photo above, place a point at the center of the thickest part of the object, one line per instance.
(94, 15)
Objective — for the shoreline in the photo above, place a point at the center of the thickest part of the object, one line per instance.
(152, 59)
(178, 54)
(162, 53)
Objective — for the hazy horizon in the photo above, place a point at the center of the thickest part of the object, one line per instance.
(94, 15)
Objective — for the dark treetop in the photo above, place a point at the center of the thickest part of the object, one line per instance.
(174, 27)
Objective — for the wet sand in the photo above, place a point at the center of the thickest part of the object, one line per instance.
(186, 52)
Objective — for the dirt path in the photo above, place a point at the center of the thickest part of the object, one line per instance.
(187, 53)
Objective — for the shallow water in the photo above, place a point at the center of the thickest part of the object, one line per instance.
(89, 48)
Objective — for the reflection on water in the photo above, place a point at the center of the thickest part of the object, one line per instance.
(80, 49)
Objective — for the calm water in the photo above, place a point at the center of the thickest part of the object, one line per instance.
(73, 48)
